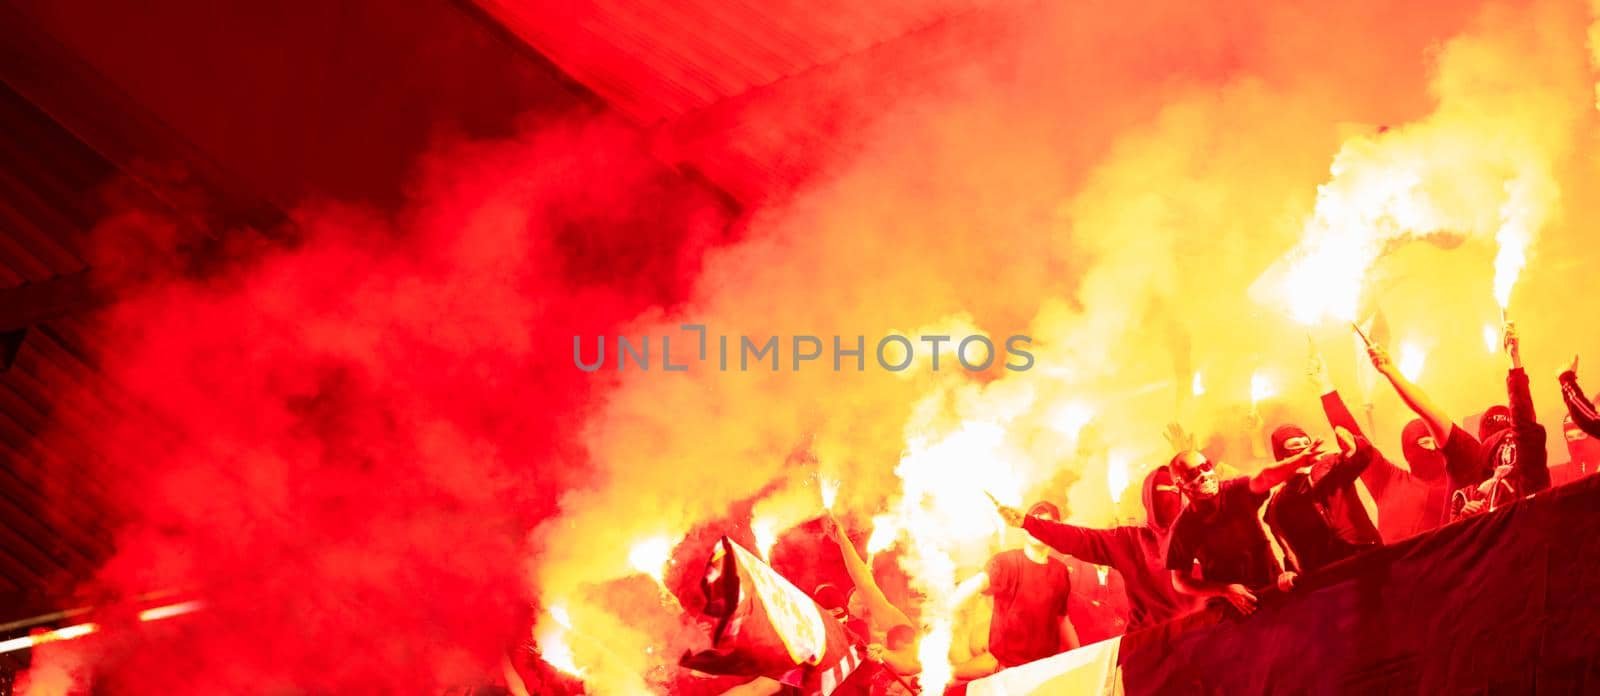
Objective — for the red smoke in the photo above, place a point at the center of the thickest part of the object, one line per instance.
(342, 443)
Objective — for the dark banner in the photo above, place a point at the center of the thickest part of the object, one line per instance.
(1507, 602)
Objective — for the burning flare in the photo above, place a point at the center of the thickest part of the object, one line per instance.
(651, 557)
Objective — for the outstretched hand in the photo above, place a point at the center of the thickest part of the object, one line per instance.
(1513, 344)
(1011, 515)
(1380, 360)
(1573, 368)
(1180, 440)
(1317, 372)
(1346, 439)
(830, 527)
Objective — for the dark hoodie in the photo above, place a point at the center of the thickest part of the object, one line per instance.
(1511, 435)
(1409, 502)
(1135, 552)
(1318, 517)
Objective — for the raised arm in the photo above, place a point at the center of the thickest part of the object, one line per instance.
(1578, 406)
(881, 614)
(1355, 454)
(1439, 423)
(1533, 458)
(1280, 471)
(1092, 545)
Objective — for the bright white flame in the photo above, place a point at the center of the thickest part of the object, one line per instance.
(1261, 388)
(884, 533)
(1520, 218)
(651, 556)
(169, 611)
(554, 649)
(559, 613)
(934, 653)
(1412, 358)
(766, 533)
(64, 633)
(1197, 387)
(1117, 476)
(1491, 338)
(830, 491)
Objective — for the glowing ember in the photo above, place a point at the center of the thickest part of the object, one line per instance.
(651, 556)
(1412, 358)
(1491, 338)
(1261, 388)
(1198, 388)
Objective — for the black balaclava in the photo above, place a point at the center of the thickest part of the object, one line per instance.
(1426, 464)
(1158, 520)
(1494, 420)
(1584, 450)
(1282, 435)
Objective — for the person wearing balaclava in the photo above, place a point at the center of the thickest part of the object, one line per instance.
(1512, 462)
(1461, 452)
(1317, 516)
(1133, 551)
(1410, 500)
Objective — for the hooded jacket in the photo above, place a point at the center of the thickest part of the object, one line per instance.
(1136, 552)
(1410, 502)
(1523, 442)
(1317, 516)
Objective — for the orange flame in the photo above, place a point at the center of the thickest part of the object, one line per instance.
(651, 557)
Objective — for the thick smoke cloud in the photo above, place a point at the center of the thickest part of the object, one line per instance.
(375, 445)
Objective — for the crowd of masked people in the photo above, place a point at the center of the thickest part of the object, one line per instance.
(1203, 537)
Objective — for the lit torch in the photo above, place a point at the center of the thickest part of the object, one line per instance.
(830, 491)
(1197, 387)
(1261, 388)
(651, 557)
(766, 533)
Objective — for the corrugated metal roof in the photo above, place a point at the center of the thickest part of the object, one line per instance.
(657, 60)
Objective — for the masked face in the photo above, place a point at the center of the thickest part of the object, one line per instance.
(1168, 502)
(1196, 475)
(1296, 445)
(1428, 443)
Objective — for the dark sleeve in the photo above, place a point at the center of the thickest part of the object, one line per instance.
(1578, 406)
(1533, 458)
(1344, 471)
(1092, 545)
(1339, 415)
(1236, 491)
(1461, 455)
(1180, 555)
